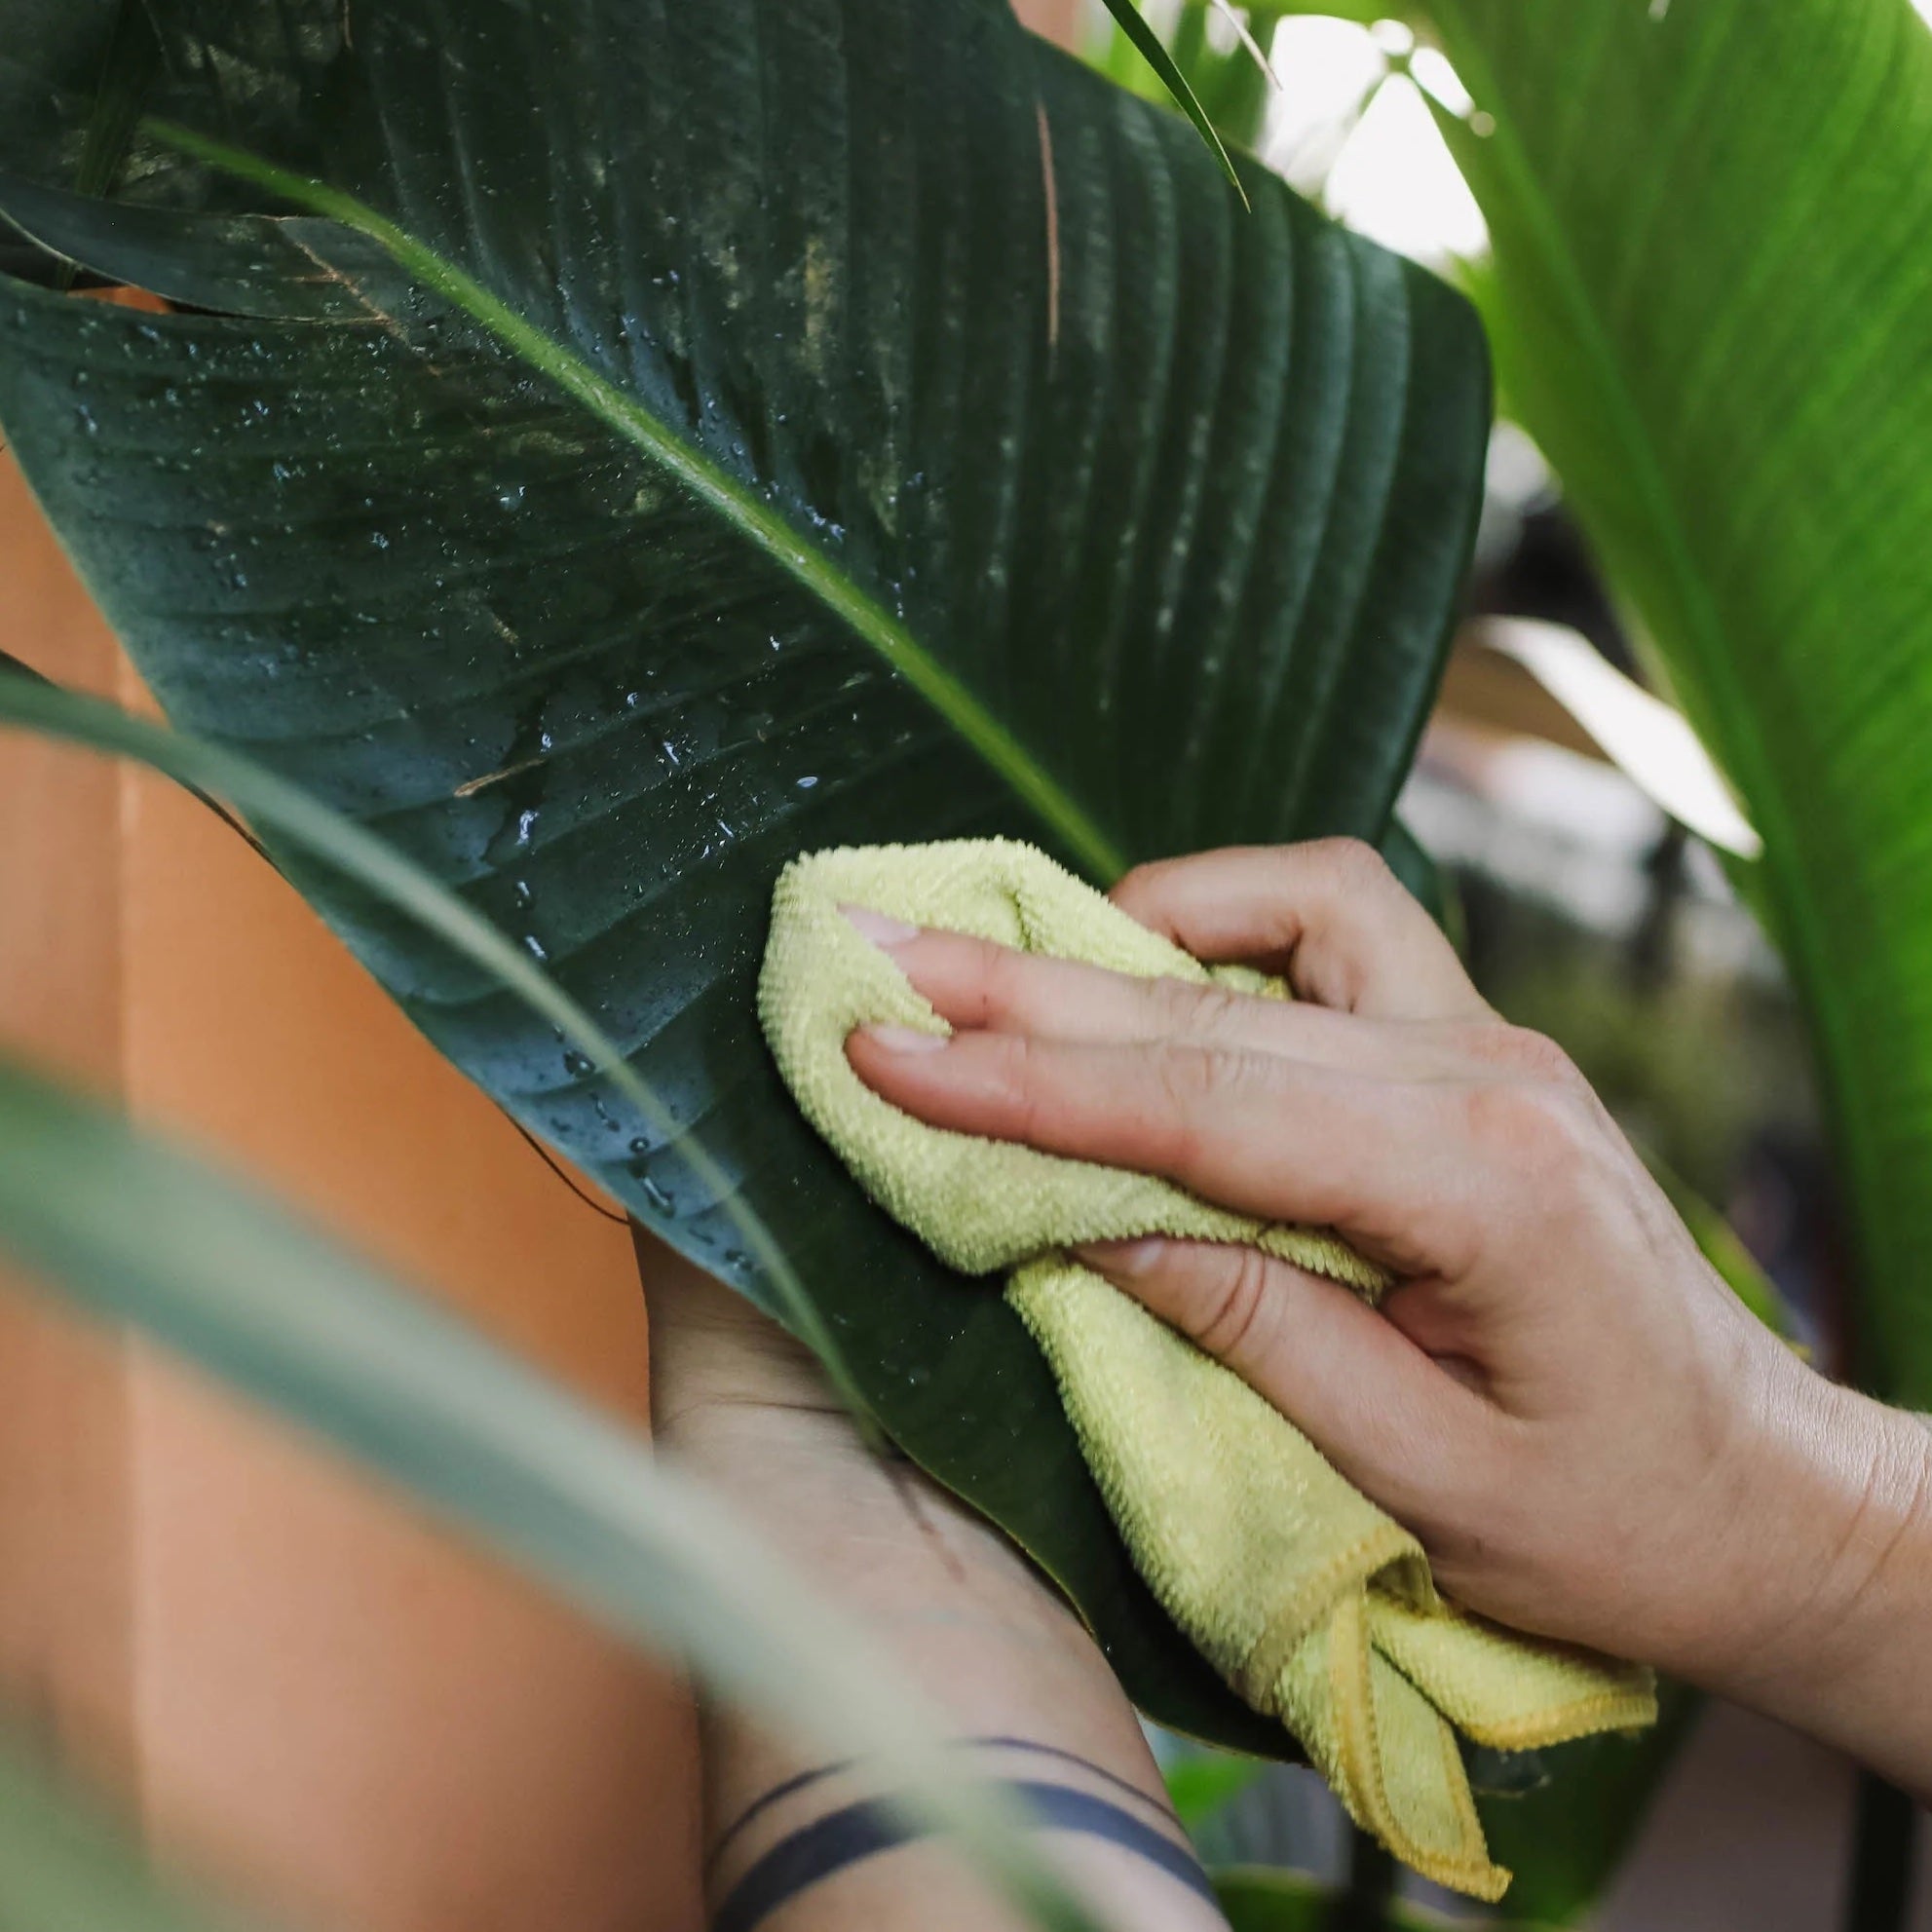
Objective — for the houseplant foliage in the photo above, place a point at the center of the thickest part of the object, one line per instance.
(1708, 296)
(609, 448)
(1711, 297)
(1712, 302)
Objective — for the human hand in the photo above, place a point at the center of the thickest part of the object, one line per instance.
(1591, 1437)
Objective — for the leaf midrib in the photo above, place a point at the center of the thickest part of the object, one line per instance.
(763, 526)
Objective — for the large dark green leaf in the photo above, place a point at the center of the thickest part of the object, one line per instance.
(1564, 1839)
(818, 421)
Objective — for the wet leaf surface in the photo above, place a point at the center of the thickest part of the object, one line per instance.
(960, 458)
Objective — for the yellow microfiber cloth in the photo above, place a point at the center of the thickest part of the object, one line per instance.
(1314, 1606)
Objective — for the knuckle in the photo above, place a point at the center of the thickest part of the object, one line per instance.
(1003, 981)
(1538, 1128)
(1021, 1088)
(1145, 883)
(1184, 1080)
(1234, 1304)
(1176, 1005)
(1201, 1088)
(1532, 1055)
(1354, 864)
(1187, 1078)
(1192, 1083)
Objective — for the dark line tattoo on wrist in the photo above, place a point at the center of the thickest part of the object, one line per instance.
(842, 1839)
(1157, 1805)
(804, 1780)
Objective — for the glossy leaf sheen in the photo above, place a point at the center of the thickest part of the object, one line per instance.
(347, 855)
(1175, 498)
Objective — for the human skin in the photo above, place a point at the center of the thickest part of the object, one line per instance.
(1590, 1436)
(944, 1602)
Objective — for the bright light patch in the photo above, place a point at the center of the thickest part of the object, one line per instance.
(1432, 73)
(1327, 69)
(1347, 128)
(1394, 182)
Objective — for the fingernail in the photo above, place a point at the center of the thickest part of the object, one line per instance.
(1118, 1258)
(877, 928)
(904, 1039)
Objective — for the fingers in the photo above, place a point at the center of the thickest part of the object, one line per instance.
(1280, 1139)
(1370, 1399)
(975, 984)
(1329, 917)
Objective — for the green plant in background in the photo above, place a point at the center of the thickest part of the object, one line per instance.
(1713, 253)
(1709, 298)
(63, 1862)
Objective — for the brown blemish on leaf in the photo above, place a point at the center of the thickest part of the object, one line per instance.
(1052, 196)
(469, 787)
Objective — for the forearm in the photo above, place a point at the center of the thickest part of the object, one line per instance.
(792, 1843)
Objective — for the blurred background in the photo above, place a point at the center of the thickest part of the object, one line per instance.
(299, 1685)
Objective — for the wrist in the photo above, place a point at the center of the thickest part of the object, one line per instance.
(1827, 1539)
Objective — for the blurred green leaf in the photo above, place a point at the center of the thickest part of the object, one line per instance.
(132, 1231)
(1725, 1253)
(1200, 1782)
(66, 1866)
(1260, 1900)
(1712, 305)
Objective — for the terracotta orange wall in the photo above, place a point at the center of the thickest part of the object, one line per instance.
(289, 1676)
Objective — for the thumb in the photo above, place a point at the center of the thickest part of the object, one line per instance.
(1404, 1431)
